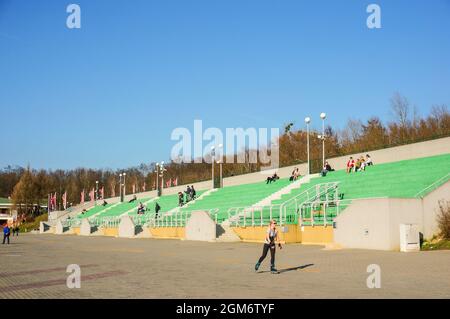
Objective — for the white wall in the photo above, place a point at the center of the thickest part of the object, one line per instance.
(364, 225)
(382, 219)
(431, 209)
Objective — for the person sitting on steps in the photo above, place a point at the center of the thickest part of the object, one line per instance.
(272, 178)
(133, 199)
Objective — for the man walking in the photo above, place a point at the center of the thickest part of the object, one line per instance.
(6, 232)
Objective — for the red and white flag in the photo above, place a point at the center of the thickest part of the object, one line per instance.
(54, 201)
(92, 195)
(175, 182)
(64, 200)
(82, 197)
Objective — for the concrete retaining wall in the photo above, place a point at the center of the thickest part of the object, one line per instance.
(375, 223)
(200, 227)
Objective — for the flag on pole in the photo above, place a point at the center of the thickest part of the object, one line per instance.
(82, 197)
(92, 195)
(64, 200)
(175, 181)
(54, 201)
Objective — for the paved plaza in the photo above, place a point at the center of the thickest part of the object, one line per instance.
(34, 266)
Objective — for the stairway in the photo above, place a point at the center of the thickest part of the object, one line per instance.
(177, 209)
(275, 196)
(224, 233)
(285, 190)
(135, 208)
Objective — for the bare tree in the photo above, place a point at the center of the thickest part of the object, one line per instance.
(400, 109)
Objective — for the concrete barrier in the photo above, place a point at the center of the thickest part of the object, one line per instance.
(200, 227)
(85, 228)
(59, 228)
(43, 227)
(127, 228)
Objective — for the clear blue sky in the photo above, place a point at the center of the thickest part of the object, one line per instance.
(110, 93)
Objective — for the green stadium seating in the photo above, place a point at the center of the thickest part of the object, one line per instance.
(403, 179)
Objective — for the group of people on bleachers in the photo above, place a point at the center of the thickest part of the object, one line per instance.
(189, 195)
(360, 164)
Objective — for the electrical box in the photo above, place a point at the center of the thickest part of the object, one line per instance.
(409, 237)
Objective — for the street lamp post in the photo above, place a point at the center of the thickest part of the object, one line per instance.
(307, 121)
(323, 116)
(124, 185)
(162, 176)
(120, 187)
(221, 178)
(96, 192)
(213, 157)
(157, 178)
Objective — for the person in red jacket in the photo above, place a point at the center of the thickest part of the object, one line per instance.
(350, 165)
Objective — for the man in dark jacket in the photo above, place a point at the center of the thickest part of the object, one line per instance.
(6, 233)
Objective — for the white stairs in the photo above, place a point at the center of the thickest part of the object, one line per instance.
(135, 208)
(177, 209)
(274, 196)
(285, 190)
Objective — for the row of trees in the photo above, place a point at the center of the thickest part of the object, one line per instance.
(30, 187)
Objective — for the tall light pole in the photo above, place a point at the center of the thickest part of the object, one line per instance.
(162, 175)
(96, 192)
(323, 117)
(221, 179)
(157, 178)
(120, 187)
(213, 158)
(124, 185)
(307, 121)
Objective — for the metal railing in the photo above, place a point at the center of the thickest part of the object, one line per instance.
(321, 212)
(284, 213)
(433, 186)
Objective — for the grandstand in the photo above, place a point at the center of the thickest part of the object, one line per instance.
(314, 202)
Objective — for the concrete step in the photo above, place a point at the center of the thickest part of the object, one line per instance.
(177, 209)
(224, 233)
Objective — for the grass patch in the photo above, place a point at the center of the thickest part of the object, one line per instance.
(437, 244)
(34, 224)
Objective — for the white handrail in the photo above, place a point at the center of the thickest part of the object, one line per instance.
(433, 184)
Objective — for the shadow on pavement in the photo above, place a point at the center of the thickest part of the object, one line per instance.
(280, 271)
